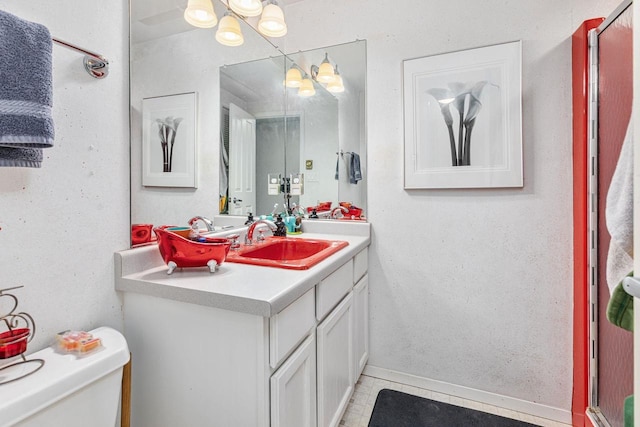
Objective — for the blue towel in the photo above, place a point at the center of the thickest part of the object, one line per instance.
(26, 123)
(355, 174)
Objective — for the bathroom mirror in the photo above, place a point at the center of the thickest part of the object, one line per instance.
(169, 57)
(318, 134)
(282, 138)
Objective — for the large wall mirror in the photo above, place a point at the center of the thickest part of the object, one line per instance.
(313, 135)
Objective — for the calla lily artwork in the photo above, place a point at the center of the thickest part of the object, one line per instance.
(463, 118)
(465, 98)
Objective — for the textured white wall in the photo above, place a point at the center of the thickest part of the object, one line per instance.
(61, 224)
(469, 287)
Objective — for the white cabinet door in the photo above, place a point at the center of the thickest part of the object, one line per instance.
(361, 326)
(335, 363)
(293, 388)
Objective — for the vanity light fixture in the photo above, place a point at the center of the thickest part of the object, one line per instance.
(306, 89)
(336, 85)
(229, 33)
(272, 22)
(246, 7)
(200, 13)
(325, 71)
(294, 77)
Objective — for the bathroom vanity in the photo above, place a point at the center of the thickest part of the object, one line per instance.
(248, 345)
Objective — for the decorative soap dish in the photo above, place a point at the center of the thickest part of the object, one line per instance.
(20, 330)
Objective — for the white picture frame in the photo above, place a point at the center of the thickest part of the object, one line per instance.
(169, 141)
(485, 84)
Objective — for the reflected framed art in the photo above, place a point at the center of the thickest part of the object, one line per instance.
(169, 141)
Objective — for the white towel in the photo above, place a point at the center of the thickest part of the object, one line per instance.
(619, 215)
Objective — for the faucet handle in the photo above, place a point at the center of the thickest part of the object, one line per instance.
(235, 245)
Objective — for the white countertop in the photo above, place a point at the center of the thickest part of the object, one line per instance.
(262, 291)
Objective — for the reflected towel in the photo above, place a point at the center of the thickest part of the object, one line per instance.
(620, 308)
(619, 218)
(355, 174)
(26, 123)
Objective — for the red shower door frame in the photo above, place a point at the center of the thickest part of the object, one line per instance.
(580, 70)
(614, 108)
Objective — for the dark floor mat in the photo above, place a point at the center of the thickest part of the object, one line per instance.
(397, 409)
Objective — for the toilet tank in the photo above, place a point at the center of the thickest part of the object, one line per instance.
(69, 390)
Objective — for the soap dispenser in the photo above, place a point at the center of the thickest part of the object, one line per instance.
(250, 219)
(281, 229)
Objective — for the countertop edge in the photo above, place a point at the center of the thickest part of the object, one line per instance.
(152, 282)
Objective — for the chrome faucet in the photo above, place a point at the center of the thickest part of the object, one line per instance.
(207, 222)
(336, 210)
(249, 237)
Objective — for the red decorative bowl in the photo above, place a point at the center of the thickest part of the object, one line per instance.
(188, 253)
(14, 342)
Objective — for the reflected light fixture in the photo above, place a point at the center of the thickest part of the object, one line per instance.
(325, 71)
(306, 89)
(229, 33)
(336, 85)
(200, 13)
(294, 77)
(246, 7)
(272, 23)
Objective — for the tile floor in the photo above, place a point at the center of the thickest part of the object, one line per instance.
(364, 397)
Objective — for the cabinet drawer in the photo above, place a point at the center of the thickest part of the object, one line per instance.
(333, 288)
(290, 326)
(360, 264)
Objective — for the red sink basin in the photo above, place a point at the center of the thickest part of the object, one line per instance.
(283, 252)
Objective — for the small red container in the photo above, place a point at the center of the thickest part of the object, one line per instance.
(141, 233)
(187, 253)
(13, 342)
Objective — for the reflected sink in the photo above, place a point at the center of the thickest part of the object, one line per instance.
(283, 252)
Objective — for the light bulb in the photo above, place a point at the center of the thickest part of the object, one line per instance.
(294, 78)
(229, 33)
(200, 13)
(272, 21)
(325, 71)
(307, 89)
(246, 7)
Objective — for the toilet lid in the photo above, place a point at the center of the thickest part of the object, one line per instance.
(61, 375)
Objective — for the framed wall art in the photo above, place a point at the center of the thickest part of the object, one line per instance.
(169, 141)
(463, 119)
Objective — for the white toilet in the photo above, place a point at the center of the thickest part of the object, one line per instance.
(69, 390)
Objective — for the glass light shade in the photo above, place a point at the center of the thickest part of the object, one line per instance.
(229, 33)
(336, 85)
(199, 13)
(306, 89)
(272, 21)
(246, 7)
(325, 72)
(294, 78)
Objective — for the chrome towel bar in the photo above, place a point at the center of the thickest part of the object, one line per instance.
(96, 65)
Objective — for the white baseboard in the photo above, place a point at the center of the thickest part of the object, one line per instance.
(501, 401)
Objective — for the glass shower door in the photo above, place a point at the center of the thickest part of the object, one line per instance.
(614, 356)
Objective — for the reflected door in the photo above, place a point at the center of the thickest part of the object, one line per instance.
(242, 161)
